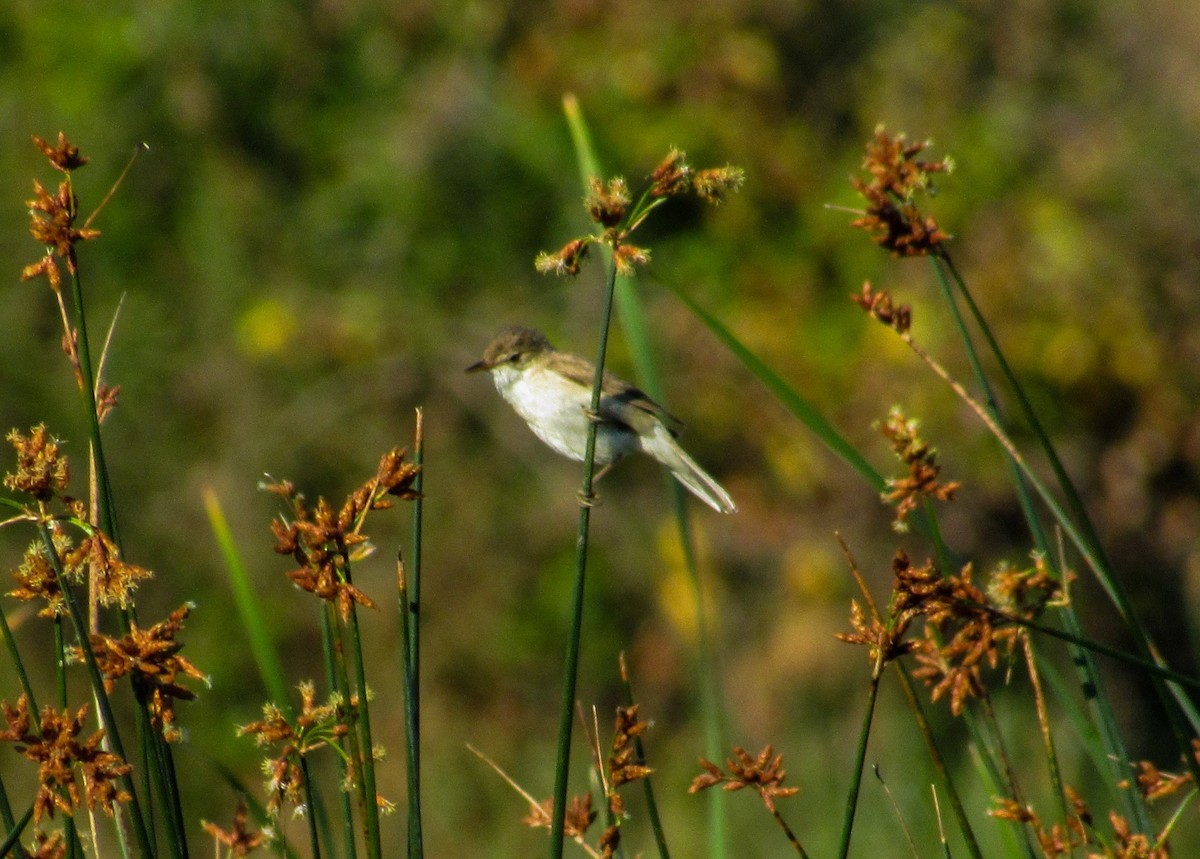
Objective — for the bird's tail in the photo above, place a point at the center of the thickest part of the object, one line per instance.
(666, 450)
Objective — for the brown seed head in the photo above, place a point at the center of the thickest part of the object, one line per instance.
(63, 156)
(42, 469)
(607, 205)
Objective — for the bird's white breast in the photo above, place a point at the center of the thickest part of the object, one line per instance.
(553, 406)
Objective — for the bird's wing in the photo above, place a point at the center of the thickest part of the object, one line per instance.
(622, 402)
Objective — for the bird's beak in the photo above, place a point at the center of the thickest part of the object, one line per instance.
(477, 366)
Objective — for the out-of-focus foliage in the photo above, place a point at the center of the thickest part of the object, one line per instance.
(342, 202)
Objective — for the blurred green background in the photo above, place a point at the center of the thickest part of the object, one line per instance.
(341, 204)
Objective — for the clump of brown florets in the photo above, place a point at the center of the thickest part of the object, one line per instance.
(923, 478)
(617, 214)
(324, 541)
(53, 743)
(151, 657)
(897, 177)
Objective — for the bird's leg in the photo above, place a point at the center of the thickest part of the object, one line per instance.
(592, 500)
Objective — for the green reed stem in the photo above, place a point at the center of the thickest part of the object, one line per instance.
(13, 840)
(335, 678)
(6, 817)
(10, 644)
(411, 709)
(571, 669)
(410, 619)
(104, 493)
(363, 722)
(860, 757)
(939, 762)
(314, 840)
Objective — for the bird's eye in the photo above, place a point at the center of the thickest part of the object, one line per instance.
(512, 359)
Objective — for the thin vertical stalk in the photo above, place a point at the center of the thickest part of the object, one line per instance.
(104, 493)
(10, 644)
(335, 678)
(6, 817)
(411, 708)
(363, 723)
(314, 840)
(939, 762)
(13, 841)
(571, 669)
(410, 615)
(860, 757)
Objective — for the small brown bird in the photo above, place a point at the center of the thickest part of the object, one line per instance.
(552, 391)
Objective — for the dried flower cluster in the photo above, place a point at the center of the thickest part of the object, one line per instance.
(1079, 831)
(885, 642)
(623, 766)
(964, 631)
(43, 472)
(151, 657)
(878, 304)
(114, 580)
(611, 206)
(322, 540)
(36, 579)
(53, 744)
(922, 480)
(42, 469)
(52, 216)
(239, 840)
(764, 773)
(316, 725)
(896, 178)
(966, 628)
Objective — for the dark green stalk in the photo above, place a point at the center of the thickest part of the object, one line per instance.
(10, 823)
(411, 620)
(864, 735)
(939, 763)
(411, 708)
(363, 723)
(1102, 649)
(10, 644)
(13, 840)
(571, 669)
(314, 840)
(107, 719)
(104, 493)
(791, 836)
(1078, 510)
(335, 678)
(107, 521)
(164, 768)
